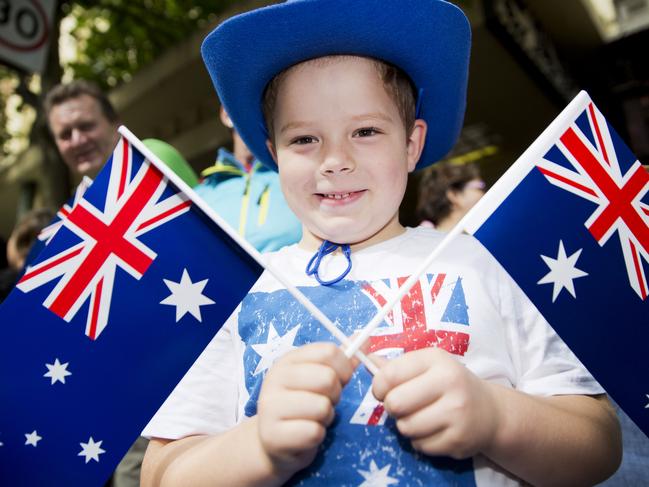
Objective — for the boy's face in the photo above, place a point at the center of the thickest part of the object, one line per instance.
(342, 151)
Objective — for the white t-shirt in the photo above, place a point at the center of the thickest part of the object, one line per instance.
(465, 303)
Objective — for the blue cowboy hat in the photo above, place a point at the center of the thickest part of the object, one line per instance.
(428, 39)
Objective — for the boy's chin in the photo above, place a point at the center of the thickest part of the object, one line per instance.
(368, 237)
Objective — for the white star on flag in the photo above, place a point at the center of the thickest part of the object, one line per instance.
(274, 348)
(647, 406)
(562, 272)
(376, 477)
(57, 371)
(32, 438)
(91, 450)
(187, 296)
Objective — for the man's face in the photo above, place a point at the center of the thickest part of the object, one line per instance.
(84, 136)
(342, 151)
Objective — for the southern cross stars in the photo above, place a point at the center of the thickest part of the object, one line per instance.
(377, 477)
(562, 272)
(32, 438)
(57, 371)
(187, 296)
(91, 450)
(275, 347)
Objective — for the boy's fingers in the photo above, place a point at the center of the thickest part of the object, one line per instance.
(402, 369)
(304, 405)
(322, 353)
(411, 396)
(308, 433)
(425, 422)
(444, 443)
(313, 377)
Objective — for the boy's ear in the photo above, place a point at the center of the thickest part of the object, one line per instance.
(415, 142)
(271, 148)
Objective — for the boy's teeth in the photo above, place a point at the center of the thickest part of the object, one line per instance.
(337, 196)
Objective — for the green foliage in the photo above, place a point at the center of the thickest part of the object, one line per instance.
(118, 37)
(114, 39)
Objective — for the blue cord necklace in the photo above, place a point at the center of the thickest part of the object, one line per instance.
(325, 249)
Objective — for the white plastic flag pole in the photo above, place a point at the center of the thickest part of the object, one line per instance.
(254, 253)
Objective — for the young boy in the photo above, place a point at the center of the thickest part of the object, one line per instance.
(477, 388)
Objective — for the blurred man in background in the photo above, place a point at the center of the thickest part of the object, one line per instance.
(83, 124)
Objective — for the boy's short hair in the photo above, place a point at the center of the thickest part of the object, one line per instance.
(396, 82)
(428, 39)
(64, 92)
(432, 203)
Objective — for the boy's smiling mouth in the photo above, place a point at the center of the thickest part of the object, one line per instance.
(340, 197)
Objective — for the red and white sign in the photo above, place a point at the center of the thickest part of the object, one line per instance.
(25, 32)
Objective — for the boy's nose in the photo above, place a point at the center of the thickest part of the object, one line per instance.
(337, 160)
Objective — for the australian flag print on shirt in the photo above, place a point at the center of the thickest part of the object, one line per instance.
(362, 447)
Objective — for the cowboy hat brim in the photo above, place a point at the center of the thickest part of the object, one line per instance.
(428, 39)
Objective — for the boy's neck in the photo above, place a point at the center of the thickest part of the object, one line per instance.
(313, 242)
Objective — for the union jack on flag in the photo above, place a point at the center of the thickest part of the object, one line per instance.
(550, 221)
(144, 269)
(618, 195)
(109, 239)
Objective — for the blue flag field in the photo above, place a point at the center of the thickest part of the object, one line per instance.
(103, 325)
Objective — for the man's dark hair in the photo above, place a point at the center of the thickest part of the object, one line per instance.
(64, 92)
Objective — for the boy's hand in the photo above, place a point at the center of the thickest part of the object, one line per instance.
(296, 404)
(438, 403)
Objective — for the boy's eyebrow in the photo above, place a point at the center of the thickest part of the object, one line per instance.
(357, 118)
(292, 125)
(374, 115)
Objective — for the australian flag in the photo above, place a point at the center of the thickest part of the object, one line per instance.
(569, 221)
(103, 325)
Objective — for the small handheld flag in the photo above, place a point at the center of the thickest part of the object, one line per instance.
(132, 273)
(135, 280)
(569, 221)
